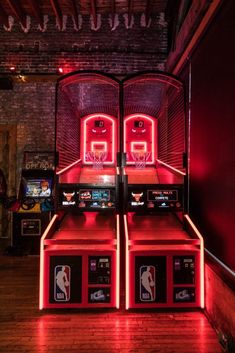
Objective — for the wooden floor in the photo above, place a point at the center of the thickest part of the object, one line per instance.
(24, 329)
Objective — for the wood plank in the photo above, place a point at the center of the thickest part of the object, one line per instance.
(37, 11)
(8, 165)
(12, 130)
(57, 11)
(113, 11)
(147, 11)
(94, 12)
(25, 329)
(3, 17)
(75, 12)
(17, 11)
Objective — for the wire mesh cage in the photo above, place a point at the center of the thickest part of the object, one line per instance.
(159, 96)
(79, 95)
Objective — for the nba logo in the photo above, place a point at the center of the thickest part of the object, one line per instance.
(147, 283)
(62, 277)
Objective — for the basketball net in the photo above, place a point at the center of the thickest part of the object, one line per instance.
(97, 158)
(140, 158)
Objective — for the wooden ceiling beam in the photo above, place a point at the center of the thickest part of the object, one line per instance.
(171, 9)
(57, 12)
(17, 11)
(36, 11)
(147, 11)
(171, 13)
(75, 12)
(113, 11)
(3, 17)
(130, 6)
(94, 12)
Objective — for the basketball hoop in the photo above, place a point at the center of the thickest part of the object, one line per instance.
(140, 158)
(97, 158)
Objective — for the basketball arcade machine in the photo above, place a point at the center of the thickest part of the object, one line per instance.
(164, 262)
(80, 249)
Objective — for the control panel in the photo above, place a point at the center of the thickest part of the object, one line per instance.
(87, 198)
(158, 199)
(184, 279)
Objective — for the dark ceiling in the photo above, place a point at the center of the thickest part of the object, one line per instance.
(20, 9)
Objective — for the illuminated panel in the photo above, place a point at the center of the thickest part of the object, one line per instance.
(127, 264)
(42, 269)
(118, 264)
(202, 298)
(99, 130)
(140, 135)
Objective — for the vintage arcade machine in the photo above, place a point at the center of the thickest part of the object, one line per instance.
(80, 249)
(36, 201)
(164, 251)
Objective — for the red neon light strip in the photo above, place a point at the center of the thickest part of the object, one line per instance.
(169, 166)
(69, 166)
(127, 264)
(196, 36)
(202, 297)
(157, 79)
(118, 264)
(42, 269)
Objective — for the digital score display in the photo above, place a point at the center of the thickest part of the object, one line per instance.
(99, 123)
(94, 195)
(162, 195)
(100, 195)
(139, 124)
(155, 199)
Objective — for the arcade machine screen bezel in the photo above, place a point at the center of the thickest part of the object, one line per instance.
(36, 183)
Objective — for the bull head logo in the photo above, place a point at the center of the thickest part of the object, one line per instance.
(68, 195)
(137, 196)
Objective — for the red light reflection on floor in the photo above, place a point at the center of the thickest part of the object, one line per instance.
(122, 332)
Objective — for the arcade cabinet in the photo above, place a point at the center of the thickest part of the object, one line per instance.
(79, 265)
(35, 200)
(164, 252)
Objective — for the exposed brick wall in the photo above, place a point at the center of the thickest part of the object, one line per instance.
(122, 50)
(31, 104)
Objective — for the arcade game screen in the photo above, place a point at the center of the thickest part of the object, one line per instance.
(37, 187)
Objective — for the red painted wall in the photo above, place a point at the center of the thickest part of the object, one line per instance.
(212, 167)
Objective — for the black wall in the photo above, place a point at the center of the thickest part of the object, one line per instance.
(212, 157)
